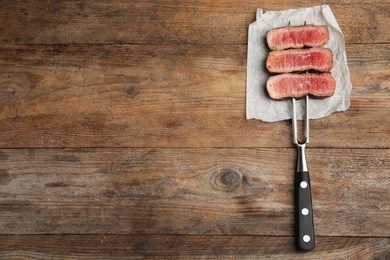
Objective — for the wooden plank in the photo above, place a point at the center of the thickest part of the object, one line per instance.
(190, 191)
(169, 22)
(186, 247)
(168, 96)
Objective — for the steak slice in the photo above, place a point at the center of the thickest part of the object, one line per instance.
(299, 85)
(320, 59)
(297, 37)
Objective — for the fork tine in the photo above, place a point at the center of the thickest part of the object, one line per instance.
(306, 123)
(294, 123)
(307, 120)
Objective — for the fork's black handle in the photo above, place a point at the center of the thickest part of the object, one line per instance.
(303, 212)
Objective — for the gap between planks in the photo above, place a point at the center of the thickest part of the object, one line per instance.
(187, 148)
(184, 235)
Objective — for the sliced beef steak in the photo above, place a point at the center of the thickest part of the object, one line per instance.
(320, 59)
(299, 85)
(297, 37)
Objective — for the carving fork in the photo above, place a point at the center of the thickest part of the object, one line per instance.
(304, 225)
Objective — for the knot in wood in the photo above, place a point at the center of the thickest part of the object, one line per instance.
(8, 90)
(12, 85)
(130, 91)
(226, 180)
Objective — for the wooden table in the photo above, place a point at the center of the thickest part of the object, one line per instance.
(123, 134)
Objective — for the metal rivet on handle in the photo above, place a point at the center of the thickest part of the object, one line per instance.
(305, 211)
(306, 238)
(303, 184)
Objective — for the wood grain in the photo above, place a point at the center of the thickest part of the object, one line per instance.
(170, 22)
(185, 247)
(123, 135)
(167, 96)
(190, 191)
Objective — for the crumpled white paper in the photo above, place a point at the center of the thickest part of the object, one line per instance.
(259, 105)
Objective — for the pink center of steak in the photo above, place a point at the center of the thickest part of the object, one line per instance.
(297, 37)
(320, 59)
(300, 85)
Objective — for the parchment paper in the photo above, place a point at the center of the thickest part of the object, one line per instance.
(259, 105)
